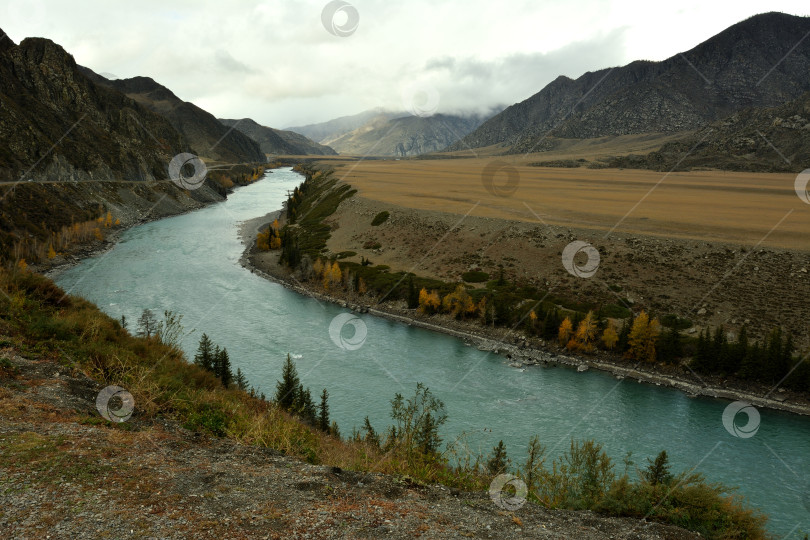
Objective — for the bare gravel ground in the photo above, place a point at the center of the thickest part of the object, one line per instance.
(67, 473)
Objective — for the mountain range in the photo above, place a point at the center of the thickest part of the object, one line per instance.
(389, 133)
(58, 124)
(759, 62)
(277, 141)
(206, 135)
(325, 132)
(405, 135)
(61, 120)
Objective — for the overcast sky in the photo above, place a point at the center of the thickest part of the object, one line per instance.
(275, 61)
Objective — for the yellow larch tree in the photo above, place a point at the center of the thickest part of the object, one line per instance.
(609, 337)
(429, 302)
(643, 337)
(459, 303)
(585, 336)
(565, 331)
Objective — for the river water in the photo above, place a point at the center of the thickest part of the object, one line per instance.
(190, 264)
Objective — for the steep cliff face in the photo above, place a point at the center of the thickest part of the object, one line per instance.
(206, 135)
(747, 65)
(277, 141)
(56, 124)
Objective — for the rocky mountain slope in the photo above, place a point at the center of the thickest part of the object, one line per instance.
(405, 135)
(746, 65)
(72, 150)
(203, 132)
(775, 139)
(56, 124)
(277, 141)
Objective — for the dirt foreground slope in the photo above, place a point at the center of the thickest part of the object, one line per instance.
(66, 473)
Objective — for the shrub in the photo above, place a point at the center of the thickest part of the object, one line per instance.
(208, 418)
(673, 321)
(475, 276)
(615, 311)
(380, 218)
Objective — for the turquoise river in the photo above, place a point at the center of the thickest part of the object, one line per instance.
(190, 264)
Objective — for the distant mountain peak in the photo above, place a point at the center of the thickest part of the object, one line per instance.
(745, 65)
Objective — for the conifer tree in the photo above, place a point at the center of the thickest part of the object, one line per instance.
(323, 412)
(498, 462)
(205, 354)
(371, 435)
(240, 380)
(657, 472)
(413, 294)
(702, 361)
(287, 387)
(147, 324)
(670, 346)
(551, 324)
(624, 336)
(223, 363)
(215, 361)
(737, 352)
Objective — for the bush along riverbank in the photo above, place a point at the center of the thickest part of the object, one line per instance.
(45, 333)
(527, 324)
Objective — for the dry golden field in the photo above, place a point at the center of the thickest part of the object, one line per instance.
(741, 208)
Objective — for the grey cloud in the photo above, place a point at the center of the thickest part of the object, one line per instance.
(228, 63)
(470, 84)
